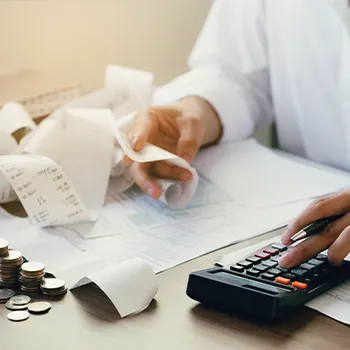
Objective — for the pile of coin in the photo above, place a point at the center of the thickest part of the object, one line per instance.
(9, 266)
(53, 287)
(19, 304)
(30, 276)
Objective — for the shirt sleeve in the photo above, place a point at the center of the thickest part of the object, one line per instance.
(229, 68)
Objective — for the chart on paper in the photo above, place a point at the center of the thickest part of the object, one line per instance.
(133, 210)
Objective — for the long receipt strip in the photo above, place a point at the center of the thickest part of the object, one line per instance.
(334, 303)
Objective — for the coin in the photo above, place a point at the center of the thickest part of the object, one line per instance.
(13, 307)
(12, 256)
(39, 307)
(3, 243)
(4, 247)
(32, 267)
(18, 316)
(6, 294)
(53, 287)
(20, 300)
(53, 283)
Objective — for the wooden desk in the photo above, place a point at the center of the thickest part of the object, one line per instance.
(85, 320)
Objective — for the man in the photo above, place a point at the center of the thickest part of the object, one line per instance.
(258, 61)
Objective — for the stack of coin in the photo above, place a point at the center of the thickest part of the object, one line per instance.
(30, 276)
(53, 287)
(4, 247)
(9, 265)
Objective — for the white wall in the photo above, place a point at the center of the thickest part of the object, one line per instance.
(78, 38)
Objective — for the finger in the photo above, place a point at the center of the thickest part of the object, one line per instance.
(340, 248)
(323, 207)
(144, 124)
(139, 172)
(315, 244)
(167, 171)
(127, 161)
(189, 141)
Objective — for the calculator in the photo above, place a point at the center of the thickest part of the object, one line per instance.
(257, 287)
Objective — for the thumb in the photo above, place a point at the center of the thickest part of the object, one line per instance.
(144, 125)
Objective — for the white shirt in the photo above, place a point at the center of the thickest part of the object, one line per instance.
(282, 60)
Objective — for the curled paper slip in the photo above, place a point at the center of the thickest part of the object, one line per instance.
(175, 194)
(13, 117)
(131, 285)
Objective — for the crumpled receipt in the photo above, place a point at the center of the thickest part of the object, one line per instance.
(60, 169)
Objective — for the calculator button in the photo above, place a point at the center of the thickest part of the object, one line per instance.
(316, 262)
(283, 269)
(255, 260)
(289, 276)
(262, 255)
(308, 267)
(314, 277)
(299, 285)
(268, 276)
(275, 259)
(282, 280)
(280, 247)
(253, 272)
(322, 257)
(274, 272)
(245, 264)
(237, 268)
(270, 263)
(299, 272)
(261, 268)
(271, 251)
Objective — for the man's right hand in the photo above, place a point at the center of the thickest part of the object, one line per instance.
(181, 128)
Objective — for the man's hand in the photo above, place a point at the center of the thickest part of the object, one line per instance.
(336, 236)
(181, 128)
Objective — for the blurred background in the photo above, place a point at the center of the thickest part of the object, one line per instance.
(76, 39)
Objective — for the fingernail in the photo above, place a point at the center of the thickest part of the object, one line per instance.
(185, 176)
(286, 260)
(285, 236)
(187, 158)
(150, 191)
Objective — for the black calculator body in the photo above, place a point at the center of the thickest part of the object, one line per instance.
(257, 287)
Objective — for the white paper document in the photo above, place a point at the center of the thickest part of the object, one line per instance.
(335, 303)
(261, 178)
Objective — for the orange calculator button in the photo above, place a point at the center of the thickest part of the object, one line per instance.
(299, 285)
(282, 280)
